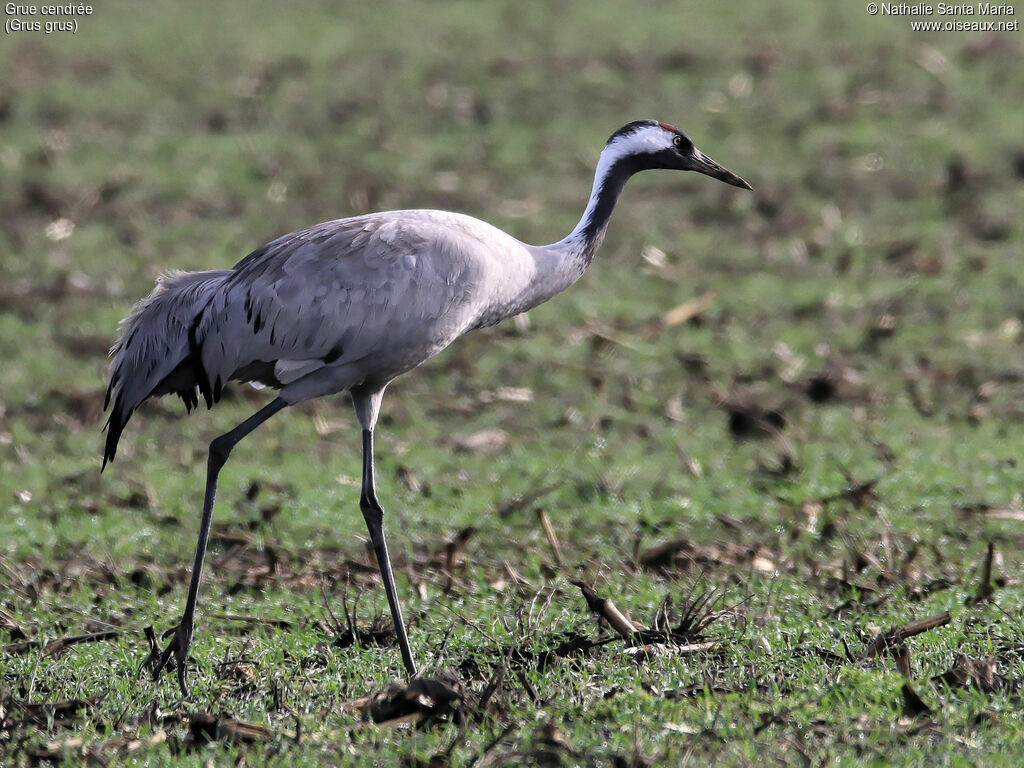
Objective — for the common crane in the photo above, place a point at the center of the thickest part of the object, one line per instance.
(349, 305)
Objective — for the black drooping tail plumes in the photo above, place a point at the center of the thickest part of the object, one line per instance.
(152, 355)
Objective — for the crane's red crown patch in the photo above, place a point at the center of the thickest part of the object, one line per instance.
(668, 127)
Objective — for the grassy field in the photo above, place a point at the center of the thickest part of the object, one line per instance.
(783, 429)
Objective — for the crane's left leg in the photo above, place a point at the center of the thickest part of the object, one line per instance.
(181, 635)
(367, 406)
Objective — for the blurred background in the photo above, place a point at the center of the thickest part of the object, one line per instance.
(873, 271)
(866, 293)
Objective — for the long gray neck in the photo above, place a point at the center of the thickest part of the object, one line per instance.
(561, 264)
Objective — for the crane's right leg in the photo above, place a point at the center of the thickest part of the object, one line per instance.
(373, 513)
(181, 635)
(366, 402)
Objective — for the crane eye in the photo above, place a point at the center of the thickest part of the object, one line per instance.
(677, 140)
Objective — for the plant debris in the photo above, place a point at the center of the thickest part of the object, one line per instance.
(895, 636)
(422, 701)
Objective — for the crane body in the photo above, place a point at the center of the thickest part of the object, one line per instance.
(348, 305)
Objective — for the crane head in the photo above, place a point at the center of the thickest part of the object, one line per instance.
(648, 144)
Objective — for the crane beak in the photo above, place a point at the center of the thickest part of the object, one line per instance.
(701, 163)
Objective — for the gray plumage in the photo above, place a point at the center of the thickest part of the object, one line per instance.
(343, 303)
(154, 342)
(349, 305)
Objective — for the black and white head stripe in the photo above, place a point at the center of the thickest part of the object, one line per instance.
(620, 160)
(630, 149)
(637, 125)
(643, 136)
(637, 146)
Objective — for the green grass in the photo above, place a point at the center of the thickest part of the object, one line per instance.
(879, 253)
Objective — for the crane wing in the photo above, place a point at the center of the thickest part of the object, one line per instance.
(387, 289)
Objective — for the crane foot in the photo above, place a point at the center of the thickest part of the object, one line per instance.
(174, 656)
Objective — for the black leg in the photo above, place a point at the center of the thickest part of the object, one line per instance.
(374, 516)
(220, 448)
